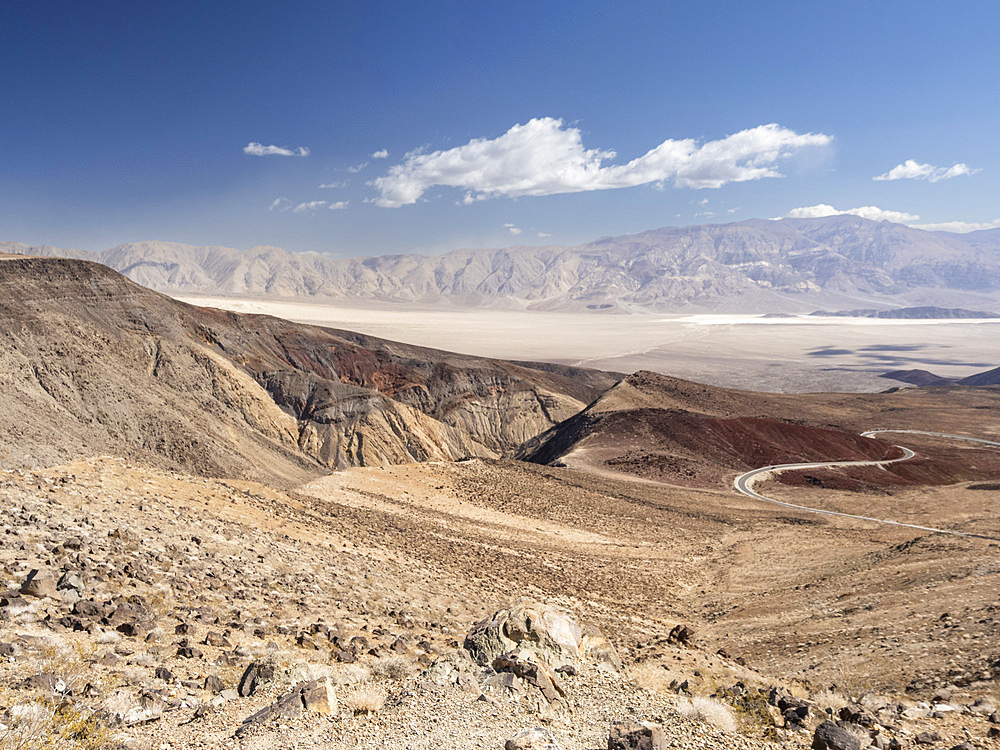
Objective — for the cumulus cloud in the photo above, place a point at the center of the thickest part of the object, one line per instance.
(338, 205)
(865, 212)
(542, 157)
(357, 168)
(337, 184)
(512, 228)
(912, 170)
(381, 154)
(959, 227)
(545, 234)
(280, 204)
(259, 149)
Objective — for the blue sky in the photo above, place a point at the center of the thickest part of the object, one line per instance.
(442, 125)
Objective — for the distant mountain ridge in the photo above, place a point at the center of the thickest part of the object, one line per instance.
(912, 313)
(925, 379)
(838, 262)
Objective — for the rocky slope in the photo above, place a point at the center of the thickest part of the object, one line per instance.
(143, 608)
(750, 266)
(93, 363)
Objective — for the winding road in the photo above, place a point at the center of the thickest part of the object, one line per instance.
(744, 482)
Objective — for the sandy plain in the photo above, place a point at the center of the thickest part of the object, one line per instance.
(786, 354)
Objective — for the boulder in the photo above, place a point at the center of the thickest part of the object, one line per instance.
(39, 585)
(254, 675)
(316, 696)
(547, 631)
(829, 736)
(532, 670)
(636, 735)
(536, 738)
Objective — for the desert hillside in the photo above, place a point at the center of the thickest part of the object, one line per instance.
(94, 363)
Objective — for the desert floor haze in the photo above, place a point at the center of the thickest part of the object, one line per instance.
(795, 353)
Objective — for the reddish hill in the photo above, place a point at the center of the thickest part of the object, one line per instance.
(670, 430)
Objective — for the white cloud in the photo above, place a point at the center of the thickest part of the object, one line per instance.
(542, 157)
(865, 212)
(259, 149)
(357, 168)
(959, 227)
(545, 234)
(512, 228)
(308, 207)
(912, 170)
(381, 154)
(338, 184)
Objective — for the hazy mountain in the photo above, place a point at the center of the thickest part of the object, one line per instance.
(757, 265)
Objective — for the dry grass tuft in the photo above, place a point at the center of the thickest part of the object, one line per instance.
(365, 699)
(395, 668)
(709, 711)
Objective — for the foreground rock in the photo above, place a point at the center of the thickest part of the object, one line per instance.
(316, 696)
(636, 736)
(829, 736)
(536, 738)
(542, 629)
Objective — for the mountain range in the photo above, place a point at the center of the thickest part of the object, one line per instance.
(793, 265)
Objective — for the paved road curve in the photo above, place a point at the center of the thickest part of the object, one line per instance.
(744, 482)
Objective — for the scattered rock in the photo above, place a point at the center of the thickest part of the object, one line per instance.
(316, 696)
(255, 674)
(682, 635)
(536, 738)
(149, 708)
(634, 735)
(829, 736)
(39, 585)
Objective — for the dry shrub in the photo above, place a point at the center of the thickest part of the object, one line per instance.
(108, 636)
(392, 668)
(365, 699)
(827, 699)
(709, 711)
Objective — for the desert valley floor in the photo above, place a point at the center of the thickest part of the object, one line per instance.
(793, 353)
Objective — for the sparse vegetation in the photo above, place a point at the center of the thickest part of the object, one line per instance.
(364, 699)
(708, 710)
